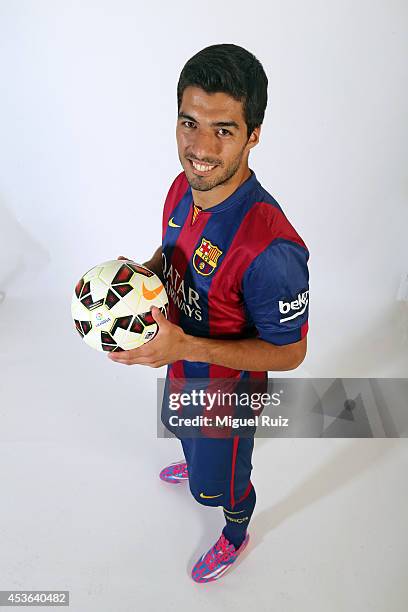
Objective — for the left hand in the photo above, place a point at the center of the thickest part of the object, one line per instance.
(167, 346)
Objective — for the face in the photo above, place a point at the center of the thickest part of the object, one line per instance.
(211, 131)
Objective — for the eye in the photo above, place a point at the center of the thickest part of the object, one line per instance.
(227, 132)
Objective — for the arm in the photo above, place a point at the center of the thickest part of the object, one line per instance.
(246, 354)
(172, 344)
(155, 263)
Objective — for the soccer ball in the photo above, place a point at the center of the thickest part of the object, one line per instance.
(111, 305)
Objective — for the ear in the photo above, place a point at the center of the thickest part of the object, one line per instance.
(254, 138)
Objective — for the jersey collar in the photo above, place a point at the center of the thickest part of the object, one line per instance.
(238, 194)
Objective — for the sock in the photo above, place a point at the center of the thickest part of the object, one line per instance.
(237, 519)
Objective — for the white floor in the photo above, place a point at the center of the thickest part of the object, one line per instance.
(82, 508)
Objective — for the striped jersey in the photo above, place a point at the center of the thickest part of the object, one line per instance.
(236, 270)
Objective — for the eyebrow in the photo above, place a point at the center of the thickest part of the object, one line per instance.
(213, 124)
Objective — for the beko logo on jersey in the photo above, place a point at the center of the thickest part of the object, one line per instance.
(294, 308)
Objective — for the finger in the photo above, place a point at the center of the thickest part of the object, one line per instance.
(158, 316)
(133, 361)
(139, 351)
(129, 357)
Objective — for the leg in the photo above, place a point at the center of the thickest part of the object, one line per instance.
(242, 497)
(188, 450)
(221, 476)
(237, 520)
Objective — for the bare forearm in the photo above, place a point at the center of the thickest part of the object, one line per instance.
(155, 263)
(251, 354)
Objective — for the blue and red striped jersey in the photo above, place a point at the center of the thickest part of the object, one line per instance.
(236, 270)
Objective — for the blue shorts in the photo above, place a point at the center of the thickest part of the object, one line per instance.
(219, 469)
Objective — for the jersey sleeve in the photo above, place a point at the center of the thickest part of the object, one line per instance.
(275, 289)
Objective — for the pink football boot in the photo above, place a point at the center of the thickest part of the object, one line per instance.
(217, 561)
(175, 472)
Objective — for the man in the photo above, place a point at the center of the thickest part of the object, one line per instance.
(236, 274)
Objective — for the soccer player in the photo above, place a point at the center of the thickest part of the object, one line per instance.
(236, 274)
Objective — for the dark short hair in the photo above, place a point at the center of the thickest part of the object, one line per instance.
(233, 70)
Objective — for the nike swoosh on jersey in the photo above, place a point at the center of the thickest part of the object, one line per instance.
(172, 224)
(210, 496)
(150, 294)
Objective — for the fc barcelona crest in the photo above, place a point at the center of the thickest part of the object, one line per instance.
(205, 257)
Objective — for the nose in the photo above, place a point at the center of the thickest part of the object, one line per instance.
(203, 148)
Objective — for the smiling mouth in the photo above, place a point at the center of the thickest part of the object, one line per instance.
(201, 169)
